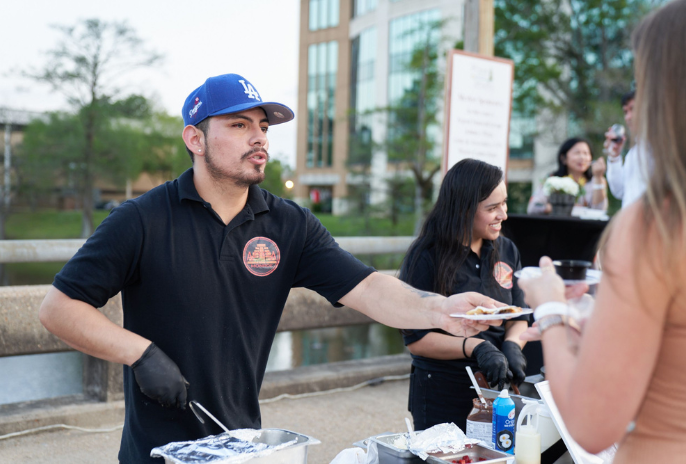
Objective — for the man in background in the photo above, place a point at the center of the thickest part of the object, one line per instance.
(627, 178)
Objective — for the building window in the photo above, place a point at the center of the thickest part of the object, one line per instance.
(363, 6)
(522, 133)
(362, 97)
(322, 65)
(324, 14)
(405, 34)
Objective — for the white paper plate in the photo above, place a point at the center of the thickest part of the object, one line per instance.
(592, 275)
(492, 317)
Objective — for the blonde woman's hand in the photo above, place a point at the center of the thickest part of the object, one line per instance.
(548, 287)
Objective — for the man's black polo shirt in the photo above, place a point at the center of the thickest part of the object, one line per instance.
(209, 295)
(474, 275)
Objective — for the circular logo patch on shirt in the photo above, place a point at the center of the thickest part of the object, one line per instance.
(261, 256)
(503, 274)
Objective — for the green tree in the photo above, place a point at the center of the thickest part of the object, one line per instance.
(90, 57)
(48, 156)
(272, 178)
(412, 126)
(125, 147)
(412, 118)
(572, 56)
(413, 121)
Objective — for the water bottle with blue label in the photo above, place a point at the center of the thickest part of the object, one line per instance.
(504, 423)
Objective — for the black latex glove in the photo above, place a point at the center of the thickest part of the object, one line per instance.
(516, 360)
(160, 378)
(493, 363)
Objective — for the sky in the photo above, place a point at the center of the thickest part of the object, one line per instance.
(257, 39)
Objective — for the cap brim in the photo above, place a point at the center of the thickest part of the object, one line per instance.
(276, 112)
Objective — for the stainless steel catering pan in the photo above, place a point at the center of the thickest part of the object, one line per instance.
(294, 453)
(475, 453)
(388, 453)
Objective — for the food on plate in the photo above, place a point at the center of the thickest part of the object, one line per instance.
(502, 310)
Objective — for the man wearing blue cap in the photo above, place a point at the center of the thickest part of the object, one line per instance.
(204, 264)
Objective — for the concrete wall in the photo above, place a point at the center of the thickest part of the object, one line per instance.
(21, 333)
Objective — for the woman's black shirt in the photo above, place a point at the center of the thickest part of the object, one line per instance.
(473, 276)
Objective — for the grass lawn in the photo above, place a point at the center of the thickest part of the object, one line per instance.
(354, 226)
(53, 224)
(42, 225)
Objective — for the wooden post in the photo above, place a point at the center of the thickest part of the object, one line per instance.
(478, 26)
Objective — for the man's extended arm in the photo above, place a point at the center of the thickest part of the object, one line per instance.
(397, 304)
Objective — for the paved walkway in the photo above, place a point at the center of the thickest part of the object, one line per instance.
(337, 419)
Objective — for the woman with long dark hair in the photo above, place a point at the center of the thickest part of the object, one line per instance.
(625, 381)
(575, 160)
(460, 249)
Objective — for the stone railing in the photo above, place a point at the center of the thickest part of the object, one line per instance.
(21, 332)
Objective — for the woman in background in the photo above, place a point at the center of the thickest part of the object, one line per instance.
(575, 160)
(459, 249)
(626, 383)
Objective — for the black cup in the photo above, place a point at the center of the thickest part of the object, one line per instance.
(571, 269)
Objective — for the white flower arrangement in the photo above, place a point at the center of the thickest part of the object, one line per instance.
(560, 185)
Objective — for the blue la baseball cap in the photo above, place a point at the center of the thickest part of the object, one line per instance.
(226, 94)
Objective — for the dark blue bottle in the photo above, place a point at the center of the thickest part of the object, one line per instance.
(504, 423)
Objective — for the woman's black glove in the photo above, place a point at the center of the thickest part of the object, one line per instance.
(493, 363)
(516, 360)
(160, 378)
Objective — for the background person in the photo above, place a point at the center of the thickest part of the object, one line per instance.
(626, 383)
(575, 160)
(627, 178)
(205, 264)
(460, 249)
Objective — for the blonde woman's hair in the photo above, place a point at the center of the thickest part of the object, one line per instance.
(659, 44)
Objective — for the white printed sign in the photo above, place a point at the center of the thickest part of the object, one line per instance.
(478, 108)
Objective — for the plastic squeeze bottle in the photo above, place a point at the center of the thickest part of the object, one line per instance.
(528, 444)
(504, 423)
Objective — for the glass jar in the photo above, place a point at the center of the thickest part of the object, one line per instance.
(480, 421)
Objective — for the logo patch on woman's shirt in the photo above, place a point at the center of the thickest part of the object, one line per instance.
(503, 274)
(261, 256)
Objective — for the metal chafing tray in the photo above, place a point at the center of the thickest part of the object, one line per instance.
(390, 454)
(295, 453)
(475, 453)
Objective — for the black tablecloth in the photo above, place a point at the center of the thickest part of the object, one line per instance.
(557, 237)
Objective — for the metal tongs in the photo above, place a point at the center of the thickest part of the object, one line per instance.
(194, 404)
